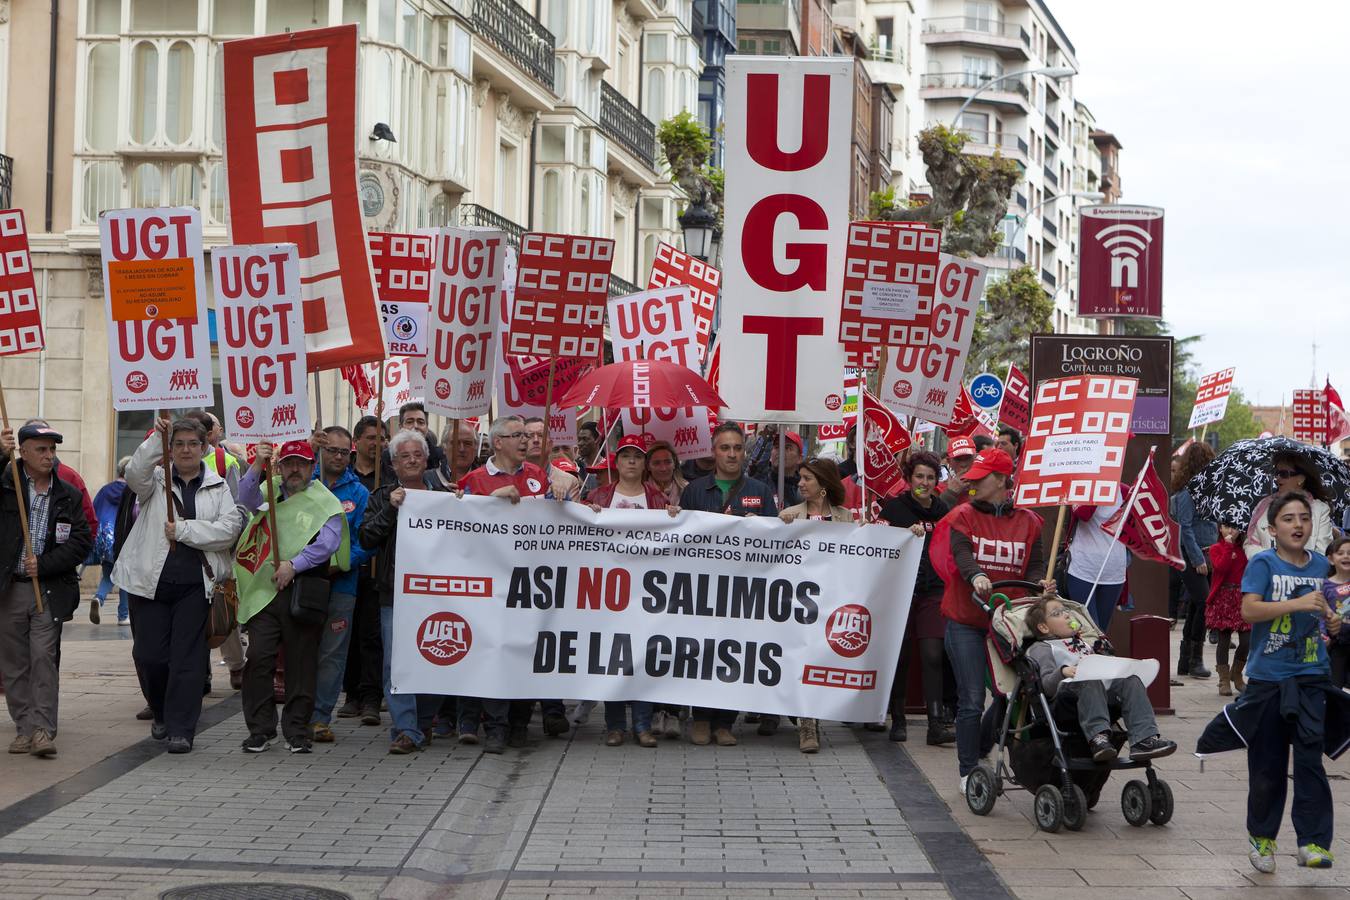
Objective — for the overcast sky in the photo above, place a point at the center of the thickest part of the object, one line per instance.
(1232, 119)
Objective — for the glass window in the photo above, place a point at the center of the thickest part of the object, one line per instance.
(408, 13)
(746, 46)
(295, 15)
(163, 15)
(771, 47)
(430, 32)
(144, 92)
(552, 200)
(461, 59)
(216, 210)
(584, 208)
(442, 31)
(553, 143)
(232, 17)
(103, 17)
(387, 21)
(184, 185)
(557, 21)
(218, 99)
(102, 182)
(658, 48)
(355, 11)
(438, 214)
(977, 126)
(145, 185)
(178, 93)
(100, 97)
(656, 95)
(648, 253)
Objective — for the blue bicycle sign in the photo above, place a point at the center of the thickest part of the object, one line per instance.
(986, 391)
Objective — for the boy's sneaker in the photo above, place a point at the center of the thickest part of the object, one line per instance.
(1102, 748)
(1262, 854)
(1152, 748)
(256, 743)
(1314, 857)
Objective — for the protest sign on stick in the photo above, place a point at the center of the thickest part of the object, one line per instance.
(1015, 410)
(512, 399)
(671, 267)
(890, 276)
(1310, 416)
(465, 321)
(1211, 398)
(402, 267)
(262, 342)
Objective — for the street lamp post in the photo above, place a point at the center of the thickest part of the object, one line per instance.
(1050, 71)
(1022, 220)
(700, 230)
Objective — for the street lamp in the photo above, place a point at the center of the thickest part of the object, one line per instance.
(1022, 220)
(1048, 71)
(700, 227)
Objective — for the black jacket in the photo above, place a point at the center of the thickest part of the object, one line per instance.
(379, 534)
(59, 563)
(904, 511)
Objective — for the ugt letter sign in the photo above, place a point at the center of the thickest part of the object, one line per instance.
(788, 161)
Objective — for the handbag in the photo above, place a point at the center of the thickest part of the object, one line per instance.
(309, 599)
(222, 616)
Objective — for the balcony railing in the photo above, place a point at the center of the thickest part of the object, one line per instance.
(891, 54)
(1049, 228)
(6, 180)
(519, 36)
(1006, 142)
(978, 25)
(626, 124)
(1048, 277)
(1021, 199)
(620, 287)
(974, 81)
(481, 216)
(1051, 178)
(1052, 126)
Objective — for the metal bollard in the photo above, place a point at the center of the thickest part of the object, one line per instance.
(1151, 638)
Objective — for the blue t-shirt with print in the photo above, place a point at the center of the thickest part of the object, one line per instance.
(1292, 644)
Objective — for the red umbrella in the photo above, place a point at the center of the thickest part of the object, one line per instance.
(641, 383)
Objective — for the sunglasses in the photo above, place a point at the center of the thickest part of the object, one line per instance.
(1287, 473)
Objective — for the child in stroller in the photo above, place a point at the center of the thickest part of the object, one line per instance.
(1043, 750)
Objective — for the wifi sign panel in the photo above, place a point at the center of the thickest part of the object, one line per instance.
(1120, 266)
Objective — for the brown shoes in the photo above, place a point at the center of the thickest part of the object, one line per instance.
(808, 738)
(724, 737)
(21, 744)
(403, 745)
(646, 739)
(321, 733)
(43, 745)
(700, 733)
(614, 739)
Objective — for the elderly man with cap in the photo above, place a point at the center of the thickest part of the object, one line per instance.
(310, 534)
(960, 454)
(60, 540)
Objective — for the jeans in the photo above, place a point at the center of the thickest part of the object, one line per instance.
(616, 715)
(966, 650)
(1197, 586)
(406, 710)
(337, 633)
(1104, 599)
(168, 645)
(105, 587)
(1268, 780)
(1094, 699)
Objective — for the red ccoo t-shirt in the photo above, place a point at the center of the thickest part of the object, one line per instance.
(529, 479)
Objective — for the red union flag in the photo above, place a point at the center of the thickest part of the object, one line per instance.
(968, 420)
(1211, 398)
(1145, 527)
(883, 437)
(1120, 270)
(402, 267)
(673, 267)
(562, 284)
(1075, 448)
(20, 316)
(290, 138)
(1015, 410)
(890, 280)
(1310, 416)
(788, 162)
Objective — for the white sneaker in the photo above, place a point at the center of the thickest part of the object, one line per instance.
(964, 779)
(582, 714)
(126, 621)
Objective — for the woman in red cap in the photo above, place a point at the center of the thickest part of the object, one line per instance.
(978, 543)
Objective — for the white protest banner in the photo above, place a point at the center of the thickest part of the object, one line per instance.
(788, 162)
(465, 284)
(511, 401)
(926, 381)
(1211, 398)
(662, 324)
(554, 600)
(1075, 449)
(397, 388)
(262, 342)
(159, 347)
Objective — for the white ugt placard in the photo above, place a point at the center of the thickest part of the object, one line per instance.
(466, 280)
(262, 342)
(788, 163)
(157, 363)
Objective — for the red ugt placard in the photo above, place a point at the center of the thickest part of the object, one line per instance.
(402, 265)
(562, 287)
(1076, 446)
(1015, 410)
(673, 267)
(890, 278)
(1310, 416)
(20, 317)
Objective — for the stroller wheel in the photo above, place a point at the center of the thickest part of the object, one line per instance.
(1136, 803)
(1162, 803)
(982, 789)
(1049, 808)
(1075, 808)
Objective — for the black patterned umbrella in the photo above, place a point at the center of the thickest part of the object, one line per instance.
(1228, 489)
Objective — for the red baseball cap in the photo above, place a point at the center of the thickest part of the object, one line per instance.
(795, 438)
(960, 446)
(564, 464)
(301, 449)
(631, 440)
(605, 465)
(990, 461)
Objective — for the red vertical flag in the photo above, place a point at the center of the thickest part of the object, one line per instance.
(20, 317)
(1148, 530)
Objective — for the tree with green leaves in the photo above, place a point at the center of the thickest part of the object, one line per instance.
(1016, 307)
(686, 148)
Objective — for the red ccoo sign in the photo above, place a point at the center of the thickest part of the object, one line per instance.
(1120, 266)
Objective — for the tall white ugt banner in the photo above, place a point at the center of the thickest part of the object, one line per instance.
(788, 165)
(466, 281)
(554, 600)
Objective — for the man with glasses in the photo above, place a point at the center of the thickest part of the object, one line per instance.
(413, 417)
(564, 486)
(335, 452)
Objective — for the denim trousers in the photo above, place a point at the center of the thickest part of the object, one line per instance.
(966, 649)
(333, 645)
(406, 710)
(616, 715)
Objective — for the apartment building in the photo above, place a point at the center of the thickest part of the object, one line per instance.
(517, 115)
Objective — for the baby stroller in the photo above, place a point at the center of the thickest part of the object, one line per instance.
(1039, 745)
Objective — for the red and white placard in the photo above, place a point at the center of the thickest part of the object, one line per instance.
(1015, 408)
(661, 324)
(1311, 422)
(262, 342)
(1211, 398)
(290, 138)
(671, 267)
(1075, 448)
(20, 315)
(926, 381)
(968, 420)
(157, 363)
(884, 436)
(465, 320)
(788, 164)
(562, 285)
(890, 278)
(397, 388)
(511, 401)
(402, 267)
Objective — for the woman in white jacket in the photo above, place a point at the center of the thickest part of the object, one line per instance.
(164, 567)
(1292, 473)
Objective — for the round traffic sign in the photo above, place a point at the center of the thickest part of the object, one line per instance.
(986, 390)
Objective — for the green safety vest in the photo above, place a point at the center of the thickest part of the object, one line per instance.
(299, 518)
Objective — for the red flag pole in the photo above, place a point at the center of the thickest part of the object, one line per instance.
(548, 413)
(1120, 526)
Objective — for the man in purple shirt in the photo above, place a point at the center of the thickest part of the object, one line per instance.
(274, 628)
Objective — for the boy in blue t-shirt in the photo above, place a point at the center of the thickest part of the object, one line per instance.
(1282, 598)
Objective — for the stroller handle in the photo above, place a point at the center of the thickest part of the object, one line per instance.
(996, 599)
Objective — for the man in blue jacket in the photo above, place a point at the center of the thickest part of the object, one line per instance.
(335, 453)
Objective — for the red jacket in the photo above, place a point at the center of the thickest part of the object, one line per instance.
(72, 478)
(1227, 563)
(1004, 548)
(604, 496)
